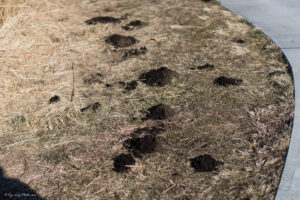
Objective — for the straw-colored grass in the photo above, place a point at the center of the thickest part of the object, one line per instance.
(47, 49)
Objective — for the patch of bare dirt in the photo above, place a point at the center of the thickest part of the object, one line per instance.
(160, 112)
(103, 20)
(225, 81)
(158, 77)
(122, 161)
(120, 41)
(205, 163)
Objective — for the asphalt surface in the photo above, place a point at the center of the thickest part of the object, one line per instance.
(280, 20)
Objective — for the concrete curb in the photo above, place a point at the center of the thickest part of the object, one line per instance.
(280, 21)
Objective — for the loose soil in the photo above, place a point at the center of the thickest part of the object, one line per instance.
(121, 161)
(143, 145)
(238, 40)
(120, 41)
(131, 25)
(205, 163)
(93, 107)
(160, 112)
(131, 85)
(225, 81)
(154, 130)
(54, 99)
(158, 77)
(134, 52)
(103, 20)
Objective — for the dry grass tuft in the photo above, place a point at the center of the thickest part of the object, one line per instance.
(47, 49)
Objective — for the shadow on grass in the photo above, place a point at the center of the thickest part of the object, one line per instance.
(14, 189)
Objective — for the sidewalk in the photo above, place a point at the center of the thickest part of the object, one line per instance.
(281, 21)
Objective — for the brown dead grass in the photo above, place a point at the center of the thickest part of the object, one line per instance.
(47, 50)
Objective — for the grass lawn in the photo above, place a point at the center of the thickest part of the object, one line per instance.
(160, 99)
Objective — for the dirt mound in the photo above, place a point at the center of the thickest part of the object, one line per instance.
(131, 85)
(143, 145)
(54, 99)
(159, 77)
(121, 41)
(92, 106)
(149, 130)
(121, 162)
(206, 66)
(205, 163)
(160, 112)
(130, 26)
(134, 52)
(103, 20)
(225, 81)
(239, 40)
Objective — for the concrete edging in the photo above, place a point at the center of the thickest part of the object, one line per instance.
(280, 21)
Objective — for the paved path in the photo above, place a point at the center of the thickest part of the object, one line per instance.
(280, 19)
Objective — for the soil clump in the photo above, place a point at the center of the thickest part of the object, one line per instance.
(92, 106)
(225, 81)
(121, 161)
(158, 77)
(120, 41)
(102, 20)
(160, 112)
(205, 163)
(54, 99)
(141, 145)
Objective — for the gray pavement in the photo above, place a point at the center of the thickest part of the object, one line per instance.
(280, 19)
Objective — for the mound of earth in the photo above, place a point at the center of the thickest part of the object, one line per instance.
(131, 85)
(238, 40)
(122, 161)
(103, 20)
(160, 112)
(205, 163)
(134, 52)
(143, 145)
(225, 81)
(121, 41)
(159, 77)
(149, 130)
(93, 107)
(130, 26)
(54, 99)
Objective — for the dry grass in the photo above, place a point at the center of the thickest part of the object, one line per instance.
(47, 50)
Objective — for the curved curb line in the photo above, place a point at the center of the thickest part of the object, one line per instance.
(278, 19)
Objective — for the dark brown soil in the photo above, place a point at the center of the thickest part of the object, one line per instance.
(108, 85)
(149, 130)
(93, 78)
(120, 41)
(143, 145)
(225, 81)
(206, 66)
(205, 163)
(54, 99)
(134, 52)
(238, 40)
(131, 85)
(160, 112)
(131, 25)
(93, 107)
(103, 20)
(158, 77)
(206, 0)
(121, 161)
